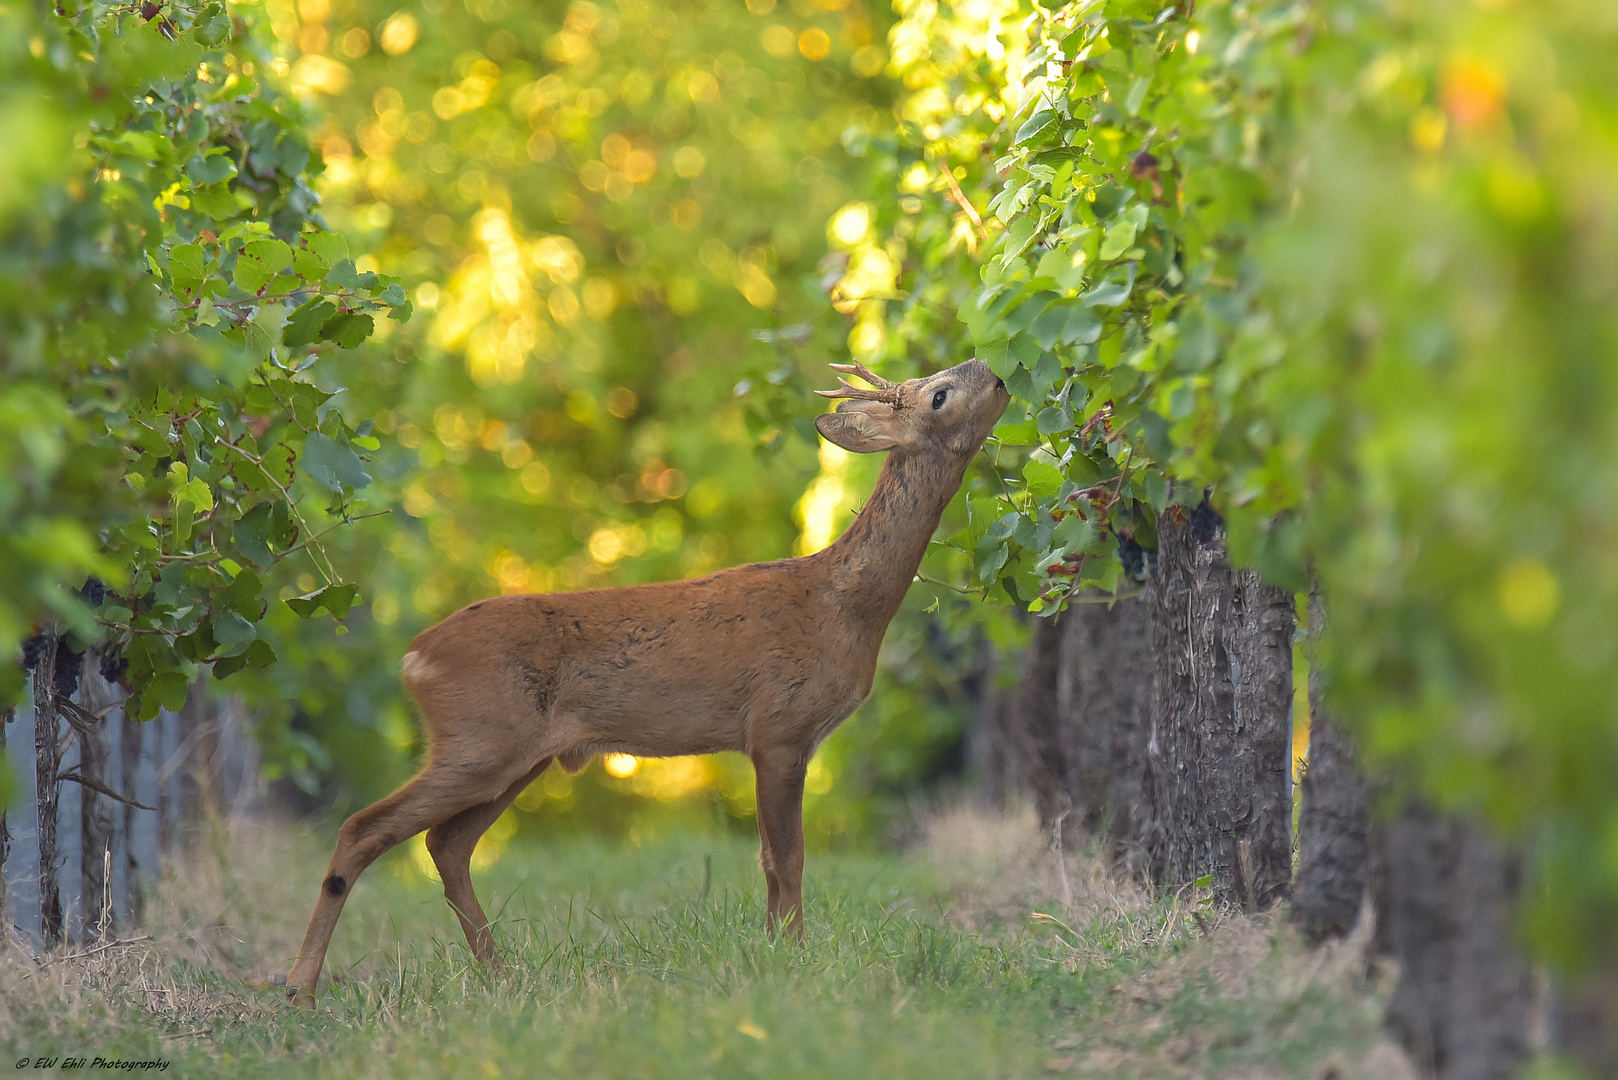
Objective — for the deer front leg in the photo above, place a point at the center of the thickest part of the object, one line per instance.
(779, 775)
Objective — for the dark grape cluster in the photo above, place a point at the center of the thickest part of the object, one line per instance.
(31, 651)
(1136, 560)
(68, 666)
(1206, 525)
(113, 667)
(68, 662)
(94, 592)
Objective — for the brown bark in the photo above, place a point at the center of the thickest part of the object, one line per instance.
(1587, 1024)
(1334, 827)
(1253, 777)
(5, 826)
(1218, 753)
(193, 721)
(95, 809)
(1033, 716)
(1445, 891)
(1103, 708)
(999, 748)
(129, 745)
(1190, 598)
(47, 763)
(163, 756)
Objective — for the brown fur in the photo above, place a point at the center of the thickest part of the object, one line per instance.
(765, 659)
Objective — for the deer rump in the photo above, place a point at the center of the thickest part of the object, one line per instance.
(657, 670)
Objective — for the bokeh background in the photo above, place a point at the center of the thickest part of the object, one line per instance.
(634, 237)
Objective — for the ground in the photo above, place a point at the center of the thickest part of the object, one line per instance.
(974, 952)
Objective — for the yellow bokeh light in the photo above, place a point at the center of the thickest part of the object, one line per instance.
(1529, 594)
(778, 41)
(420, 861)
(915, 181)
(494, 842)
(868, 340)
(814, 43)
(686, 214)
(670, 779)
(818, 779)
(818, 508)
(689, 162)
(622, 766)
(536, 478)
(1427, 130)
(510, 570)
(605, 547)
(398, 33)
(850, 224)
(316, 74)
(756, 286)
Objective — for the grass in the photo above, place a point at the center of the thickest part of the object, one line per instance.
(974, 954)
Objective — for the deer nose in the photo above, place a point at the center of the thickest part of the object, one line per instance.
(1001, 383)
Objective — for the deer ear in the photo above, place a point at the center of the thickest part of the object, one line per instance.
(856, 431)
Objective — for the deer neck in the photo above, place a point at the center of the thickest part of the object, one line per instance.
(873, 563)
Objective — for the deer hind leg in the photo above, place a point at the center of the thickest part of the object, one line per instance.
(772, 885)
(435, 796)
(451, 844)
(779, 777)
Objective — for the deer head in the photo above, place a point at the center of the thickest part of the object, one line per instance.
(949, 413)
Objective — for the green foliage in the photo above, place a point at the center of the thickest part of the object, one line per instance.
(1349, 266)
(160, 414)
(1447, 401)
(611, 221)
(1111, 256)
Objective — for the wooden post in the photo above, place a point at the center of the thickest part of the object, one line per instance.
(130, 739)
(1104, 709)
(1221, 717)
(1446, 893)
(95, 809)
(1334, 827)
(5, 827)
(47, 763)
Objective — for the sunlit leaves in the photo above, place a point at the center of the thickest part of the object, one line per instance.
(172, 419)
(1094, 301)
(1321, 270)
(259, 262)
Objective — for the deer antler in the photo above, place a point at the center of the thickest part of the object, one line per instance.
(886, 392)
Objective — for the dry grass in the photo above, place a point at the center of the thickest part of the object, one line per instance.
(1002, 868)
(983, 952)
(223, 916)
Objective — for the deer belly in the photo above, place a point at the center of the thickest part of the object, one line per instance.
(666, 721)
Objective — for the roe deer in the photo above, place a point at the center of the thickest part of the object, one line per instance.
(766, 659)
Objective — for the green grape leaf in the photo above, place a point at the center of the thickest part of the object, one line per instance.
(232, 633)
(257, 655)
(303, 327)
(1043, 479)
(336, 599)
(347, 329)
(332, 464)
(259, 262)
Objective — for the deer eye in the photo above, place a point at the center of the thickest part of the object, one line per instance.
(938, 399)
